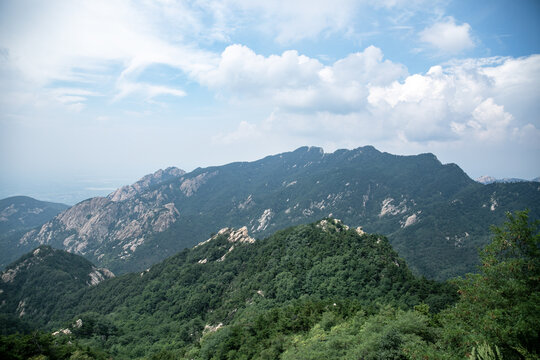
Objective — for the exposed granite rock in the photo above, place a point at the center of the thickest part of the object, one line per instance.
(191, 185)
(121, 221)
(160, 176)
(233, 236)
(99, 275)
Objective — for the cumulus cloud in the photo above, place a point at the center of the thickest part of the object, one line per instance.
(448, 37)
(457, 101)
(297, 82)
(364, 94)
(96, 42)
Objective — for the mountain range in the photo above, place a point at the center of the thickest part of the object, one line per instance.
(434, 215)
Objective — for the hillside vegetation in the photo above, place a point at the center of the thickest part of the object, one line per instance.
(313, 291)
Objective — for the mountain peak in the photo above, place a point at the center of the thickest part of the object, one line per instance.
(304, 149)
(486, 179)
(23, 212)
(147, 181)
(62, 272)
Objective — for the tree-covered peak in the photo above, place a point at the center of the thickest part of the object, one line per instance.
(43, 276)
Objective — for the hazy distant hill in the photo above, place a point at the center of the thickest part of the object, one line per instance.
(23, 212)
(434, 214)
(18, 214)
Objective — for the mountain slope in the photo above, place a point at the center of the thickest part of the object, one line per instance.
(232, 275)
(406, 197)
(29, 286)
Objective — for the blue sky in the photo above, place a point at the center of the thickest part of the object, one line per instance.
(96, 94)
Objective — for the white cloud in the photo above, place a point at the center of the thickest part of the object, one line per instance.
(95, 42)
(488, 122)
(297, 82)
(448, 37)
(467, 101)
(89, 43)
(244, 132)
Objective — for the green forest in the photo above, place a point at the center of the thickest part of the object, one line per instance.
(317, 291)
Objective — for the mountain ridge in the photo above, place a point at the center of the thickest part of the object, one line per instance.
(406, 197)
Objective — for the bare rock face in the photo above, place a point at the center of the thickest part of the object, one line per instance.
(241, 235)
(336, 225)
(235, 237)
(190, 186)
(121, 221)
(98, 275)
(100, 221)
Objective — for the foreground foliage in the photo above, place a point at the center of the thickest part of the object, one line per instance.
(501, 305)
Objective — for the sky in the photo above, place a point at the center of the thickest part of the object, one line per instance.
(95, 94)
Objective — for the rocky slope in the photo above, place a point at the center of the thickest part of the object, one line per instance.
(112, 226)
(434, 214)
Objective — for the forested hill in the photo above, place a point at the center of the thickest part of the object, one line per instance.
(434, 215)
(230, 277)
(33, 284)
(317, 291)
